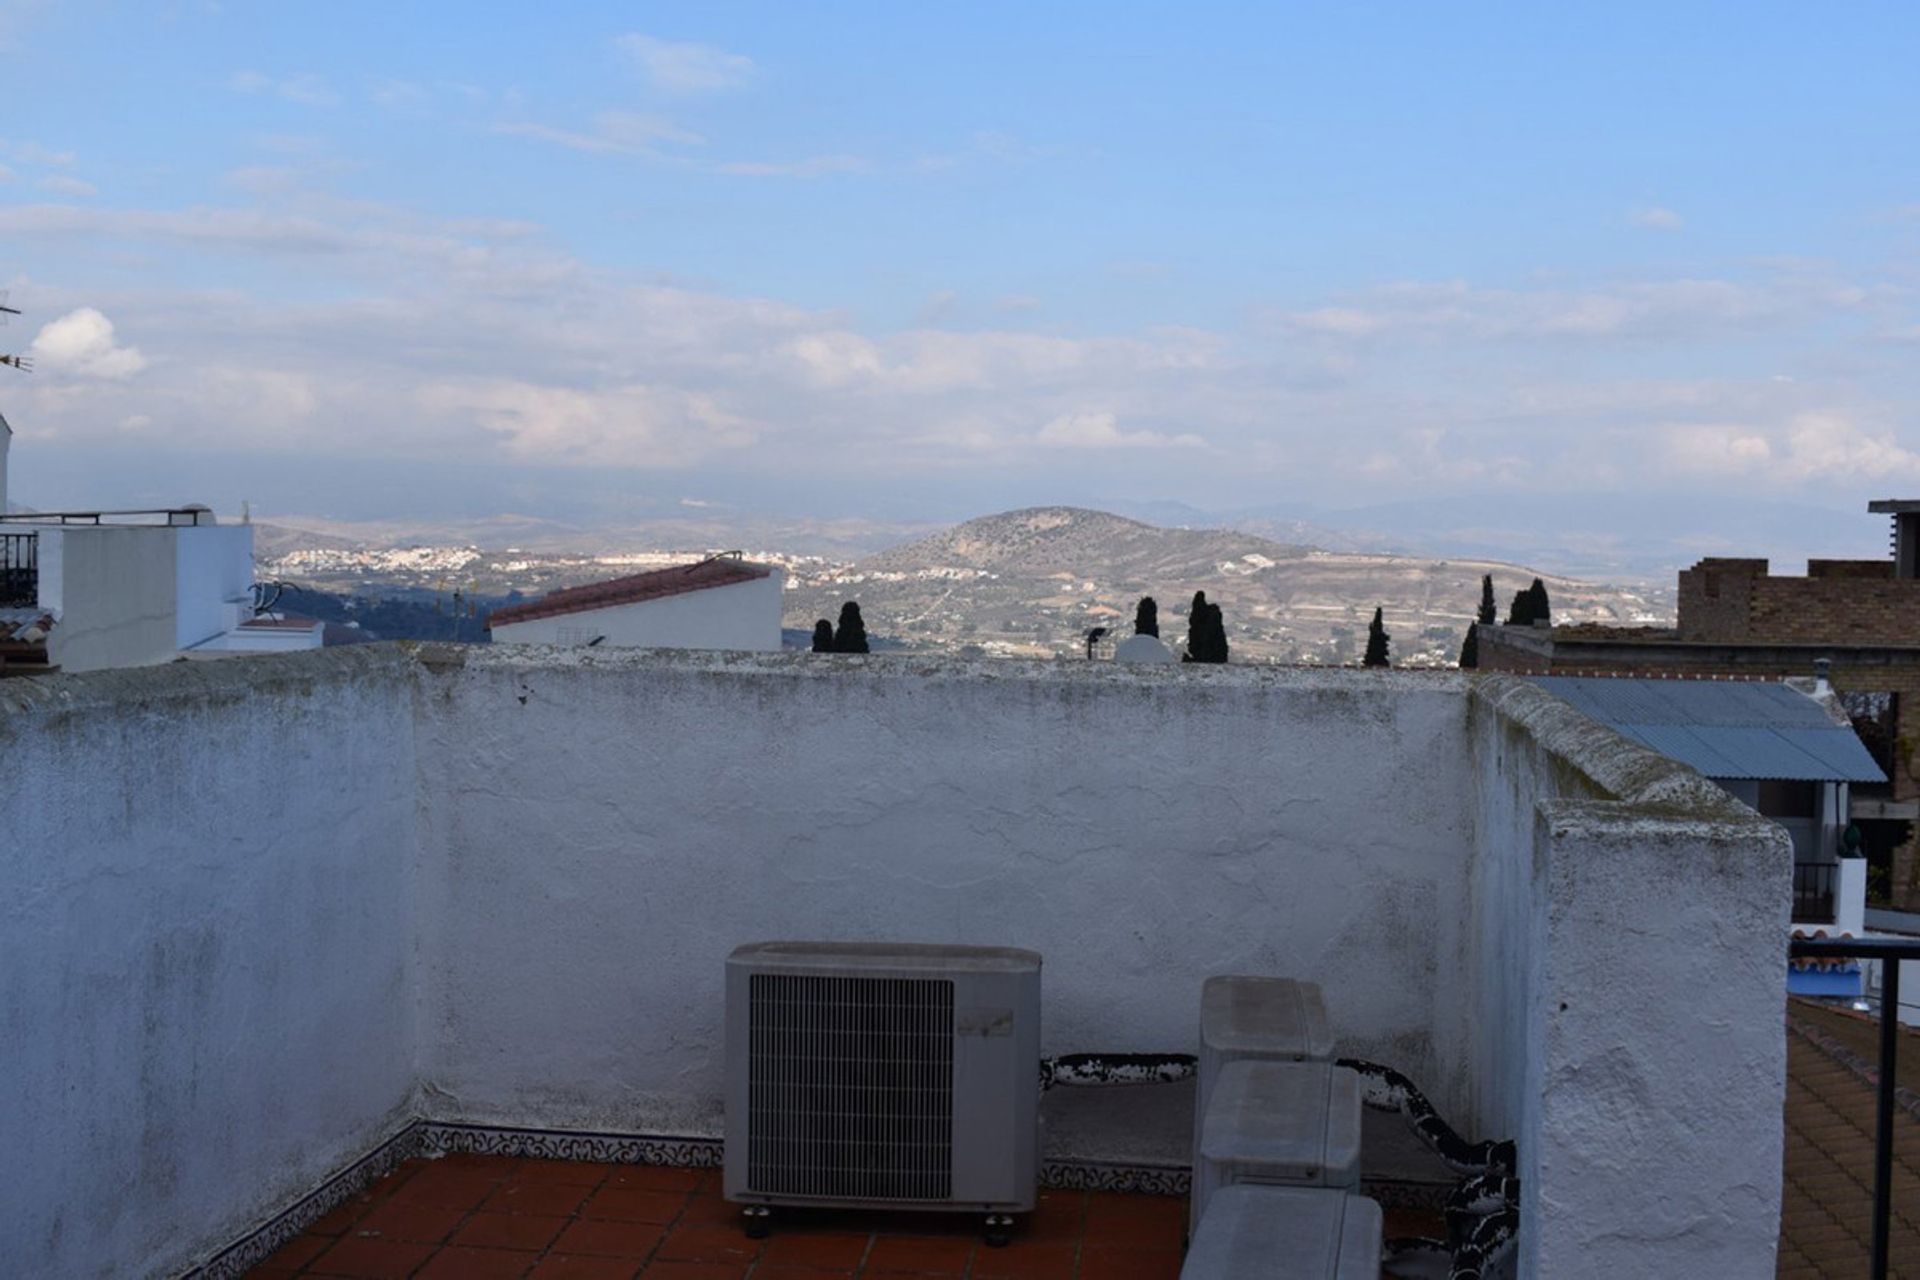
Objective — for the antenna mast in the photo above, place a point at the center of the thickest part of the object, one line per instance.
(23, 363)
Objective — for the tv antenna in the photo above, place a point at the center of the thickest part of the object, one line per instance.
(23, 363)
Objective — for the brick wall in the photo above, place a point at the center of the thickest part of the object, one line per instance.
(1846, 602)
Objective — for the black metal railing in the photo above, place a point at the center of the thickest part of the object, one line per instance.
(1813, 885)
(1889, 952)
(131, 515)
(19, 570)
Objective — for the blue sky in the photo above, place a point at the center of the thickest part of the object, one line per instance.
(886, 259)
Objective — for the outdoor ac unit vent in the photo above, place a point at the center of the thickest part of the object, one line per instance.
(883, 1076)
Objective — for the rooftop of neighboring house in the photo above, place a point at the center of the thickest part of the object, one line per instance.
(716, 571)
(1725, 729)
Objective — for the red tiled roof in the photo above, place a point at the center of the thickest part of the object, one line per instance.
(286, 622)
(717, 572)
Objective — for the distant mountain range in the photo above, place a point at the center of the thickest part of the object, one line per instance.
(1035, 581)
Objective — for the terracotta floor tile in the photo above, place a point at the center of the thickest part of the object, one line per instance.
(1120, 1263)
(534, 1231)
(711, 1211)
(419, 1223)
(654, 1177)
(582, 1173)
(370, 1258)
(635, 1204)
(519, 1195)
(456, 1263)
(695, 1271)
(294, 1254)
(827, 1251)
(608, 1239)
(708, 1244)
(927, 1255)
(564, 1266)
(336, 1220)
(463, 1189)
(1058, 1215)
(1028, 1260)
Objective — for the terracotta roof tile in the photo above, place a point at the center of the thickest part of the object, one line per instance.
(719, 571)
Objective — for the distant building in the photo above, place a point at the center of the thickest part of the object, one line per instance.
(1779, 751)
(87, 590)
(719, 603)
(1738, 620)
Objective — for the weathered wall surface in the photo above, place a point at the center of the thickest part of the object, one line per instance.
(741, 615)
(206, 936)
(116, 596)
(1631, 925)
(605, 828)
(257, 913)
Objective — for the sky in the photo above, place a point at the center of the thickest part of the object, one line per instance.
(899, 261)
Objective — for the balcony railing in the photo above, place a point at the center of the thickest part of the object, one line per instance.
(1813, 891)
(1889, 952)
(19, 570)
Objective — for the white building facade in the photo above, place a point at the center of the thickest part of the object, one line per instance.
(720, 603)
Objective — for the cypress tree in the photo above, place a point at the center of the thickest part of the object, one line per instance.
(851, 635)
(823, 636)
(1488, 613)
(1542, 611)
(1470, 648)
(1376, 655)
(1146, 618)
(1206, 633)
(1521, 614)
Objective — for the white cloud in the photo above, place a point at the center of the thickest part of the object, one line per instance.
(615, 132)
(685, 68)
(812, 167)
(1714, 449)
(304, 88)
(1455, 311)
(1102, 431)
(62, 185)
(1655, 218)
(33, 153)
(81, 342)
(1831, 446)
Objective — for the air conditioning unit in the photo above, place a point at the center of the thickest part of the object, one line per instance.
(886, 1076)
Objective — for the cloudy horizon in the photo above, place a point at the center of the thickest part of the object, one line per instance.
(360, 263)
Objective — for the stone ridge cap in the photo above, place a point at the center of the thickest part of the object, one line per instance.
(805, 665)
(1625, 771)
(190, 680)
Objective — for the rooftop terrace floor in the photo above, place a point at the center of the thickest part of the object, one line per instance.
(492, 1218)
(1826, 1215)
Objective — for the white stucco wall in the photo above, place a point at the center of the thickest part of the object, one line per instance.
(740, 616)
(116, 595)
(206, 935)
(628, 819)
(1632, 950)
(214, 580)
(264, 911)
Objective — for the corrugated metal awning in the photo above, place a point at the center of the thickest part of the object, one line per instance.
(1736, 729)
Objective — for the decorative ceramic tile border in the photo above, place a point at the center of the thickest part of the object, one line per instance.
(1093, 1175)
(248, 1251)
(439, 1138)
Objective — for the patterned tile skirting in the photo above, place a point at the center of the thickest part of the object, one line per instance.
(240, 1256)
(433, 1138)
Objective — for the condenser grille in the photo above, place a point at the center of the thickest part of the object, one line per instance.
(850, 1087)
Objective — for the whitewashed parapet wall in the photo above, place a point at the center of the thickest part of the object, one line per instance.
(603, 829)
(1631, 926)
(206, 949)
(298, 899)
